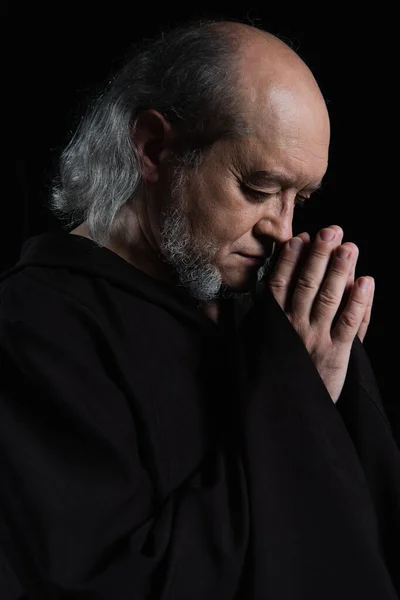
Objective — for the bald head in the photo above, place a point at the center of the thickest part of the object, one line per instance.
(263, 56)
(273, 81)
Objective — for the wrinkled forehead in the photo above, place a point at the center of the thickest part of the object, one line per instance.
(286, 124)
(281, 112)
(290, 142)
(267, 162)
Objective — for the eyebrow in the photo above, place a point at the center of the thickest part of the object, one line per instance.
(263, 177)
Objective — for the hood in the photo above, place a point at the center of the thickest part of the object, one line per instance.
(77, 253)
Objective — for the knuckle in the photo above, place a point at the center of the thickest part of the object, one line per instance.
(287, 261)
(319, 253)
(277, 282)
(349, 320)
(307, 282)
(339, 268)
(358, 302)
(328, 298)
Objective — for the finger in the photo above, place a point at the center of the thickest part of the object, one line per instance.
(353, 262)
(350, 320)
(314, 270)
(367, 315)
(338, 230)
(304, 253)
(350, 281)
(329, 297)
(305, 237)
(282, 275)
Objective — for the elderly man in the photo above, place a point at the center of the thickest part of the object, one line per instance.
(187, 411)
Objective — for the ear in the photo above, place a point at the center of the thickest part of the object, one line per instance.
(152, 137)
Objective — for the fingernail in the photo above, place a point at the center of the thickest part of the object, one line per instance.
(327, 235)
(363, 284)
(295, 243)
(343, 252)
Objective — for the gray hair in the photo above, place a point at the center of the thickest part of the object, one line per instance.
(189, 74)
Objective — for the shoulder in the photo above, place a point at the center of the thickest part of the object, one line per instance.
(48, 336)
(36, 294)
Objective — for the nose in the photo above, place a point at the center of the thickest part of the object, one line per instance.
(277, 224)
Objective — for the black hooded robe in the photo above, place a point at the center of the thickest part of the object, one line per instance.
(148, 453)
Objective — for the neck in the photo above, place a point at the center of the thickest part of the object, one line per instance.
(131, 244)
(141, 259)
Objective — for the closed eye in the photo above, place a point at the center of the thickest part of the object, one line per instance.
(261, 196)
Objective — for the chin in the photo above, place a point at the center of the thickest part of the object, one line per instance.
(240, 282)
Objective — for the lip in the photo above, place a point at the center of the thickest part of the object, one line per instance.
(252, 260)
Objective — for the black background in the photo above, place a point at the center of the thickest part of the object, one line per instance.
(61, 53)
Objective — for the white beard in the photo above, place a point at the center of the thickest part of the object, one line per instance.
(193, 262)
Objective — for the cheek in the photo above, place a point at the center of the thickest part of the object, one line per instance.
(232, 236)
(239, 223)
(228, 228)
(221, 211)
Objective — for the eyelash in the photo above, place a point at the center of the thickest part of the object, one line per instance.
(299, 200)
